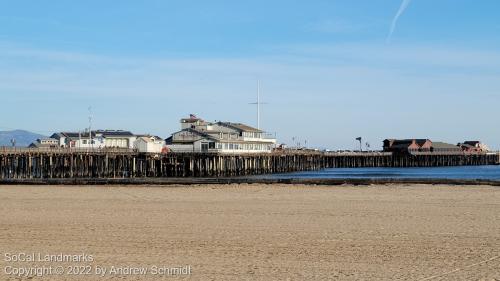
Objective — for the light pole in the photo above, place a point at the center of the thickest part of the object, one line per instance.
(360, 147)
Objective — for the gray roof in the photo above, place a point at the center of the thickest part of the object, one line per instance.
(198, 132)
(466, 145)
(113, 133)
(443, 145)
(240, 127)
(407, 141)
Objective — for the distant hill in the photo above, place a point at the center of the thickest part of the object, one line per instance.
(23, 138)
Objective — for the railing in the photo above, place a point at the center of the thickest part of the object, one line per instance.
(268, 136)
(9, 149)
(447, 153)
(357, 153)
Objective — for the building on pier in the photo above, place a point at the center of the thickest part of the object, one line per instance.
(96, 139)
(445, 147)
(45, 143)
(407, 145)
(474, 146)
(79, 139)
(412, 146)
(149, 144)
(197, 135)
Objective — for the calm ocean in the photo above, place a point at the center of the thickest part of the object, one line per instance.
(466, 172)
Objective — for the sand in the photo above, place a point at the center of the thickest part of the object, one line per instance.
(256, 232)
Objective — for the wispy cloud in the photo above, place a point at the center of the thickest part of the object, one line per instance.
(401, 10)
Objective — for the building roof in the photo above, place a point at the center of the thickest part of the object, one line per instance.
(151, 139)
(104, 133)
(192, 119)
(466, 145)
(197, 132)
(401, 145)
(409, 141)
(149, 136)
(239, 127)
(443, 145)
(73, 134)
(114, 133)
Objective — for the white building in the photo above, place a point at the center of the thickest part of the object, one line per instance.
(149, 144)
(197, 135)
(79, 140)
(45, 143)
(97, 139)
(118, 138)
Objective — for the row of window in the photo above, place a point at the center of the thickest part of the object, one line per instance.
(244, 146)
(228, 136)
(252, 135)
(86, 141)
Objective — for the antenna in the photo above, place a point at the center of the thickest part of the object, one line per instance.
(90, 126)
(258, 103)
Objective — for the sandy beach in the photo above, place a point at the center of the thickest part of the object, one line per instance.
(252, 232)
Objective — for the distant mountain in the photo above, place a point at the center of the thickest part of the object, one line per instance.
(23, 138)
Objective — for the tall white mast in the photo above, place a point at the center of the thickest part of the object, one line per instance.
(258, 104)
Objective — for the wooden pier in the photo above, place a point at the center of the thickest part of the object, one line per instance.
(63, 163)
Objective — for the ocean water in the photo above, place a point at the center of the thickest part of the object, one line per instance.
(464, 172)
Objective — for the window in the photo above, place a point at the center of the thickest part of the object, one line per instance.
(84, 141)
(211, 145)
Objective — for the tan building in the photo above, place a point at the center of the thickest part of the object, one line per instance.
(197, 135)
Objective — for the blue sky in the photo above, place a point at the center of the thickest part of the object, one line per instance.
(327, 70)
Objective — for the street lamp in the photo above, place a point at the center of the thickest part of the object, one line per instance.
(360, 147)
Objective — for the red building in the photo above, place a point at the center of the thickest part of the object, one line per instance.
(419, 145)
(407, 145)
(473, 146)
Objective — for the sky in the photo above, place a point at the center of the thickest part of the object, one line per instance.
(329, 70)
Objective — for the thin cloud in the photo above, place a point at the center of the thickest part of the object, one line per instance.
(402, 8)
